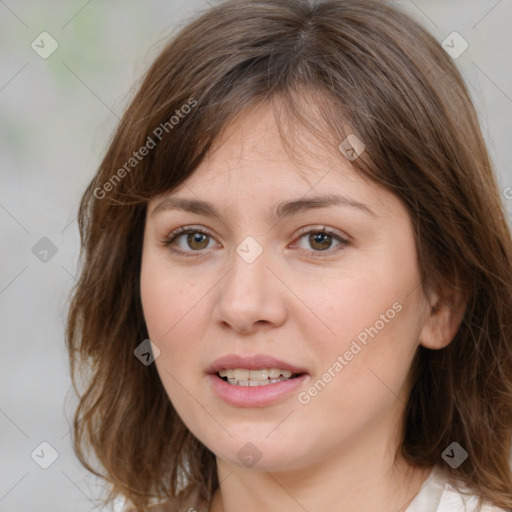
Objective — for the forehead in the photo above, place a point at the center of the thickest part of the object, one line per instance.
(251, 148)
(251, 162)
(255, 135)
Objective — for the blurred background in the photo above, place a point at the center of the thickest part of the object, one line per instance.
(66, 72)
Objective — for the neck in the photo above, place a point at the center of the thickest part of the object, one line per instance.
(356, 476)
(390, 491)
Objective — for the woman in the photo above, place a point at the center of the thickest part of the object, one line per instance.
(298, 210)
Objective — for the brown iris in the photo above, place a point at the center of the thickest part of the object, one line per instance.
(197, 238)
(320, 238)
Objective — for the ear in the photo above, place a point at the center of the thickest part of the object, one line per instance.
(444, 319)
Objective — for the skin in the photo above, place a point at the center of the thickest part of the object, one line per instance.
(337, 452)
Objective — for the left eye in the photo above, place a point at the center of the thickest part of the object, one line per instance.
(321, 240)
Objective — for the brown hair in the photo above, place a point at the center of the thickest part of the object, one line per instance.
(368, 69)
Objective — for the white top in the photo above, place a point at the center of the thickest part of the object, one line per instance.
(438, 495)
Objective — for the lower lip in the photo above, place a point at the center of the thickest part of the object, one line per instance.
(255, 396)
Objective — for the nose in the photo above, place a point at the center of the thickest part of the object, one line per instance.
(250, 296)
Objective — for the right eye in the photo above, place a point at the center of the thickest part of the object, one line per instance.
(195, 241)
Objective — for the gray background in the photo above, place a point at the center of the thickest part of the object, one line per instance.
(56, 118)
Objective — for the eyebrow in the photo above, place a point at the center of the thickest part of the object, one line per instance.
(278, 212)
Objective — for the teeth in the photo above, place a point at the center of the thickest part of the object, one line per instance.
(241, 374)
(258, 374)
(262, 375)
(253, 378)
(255, 383)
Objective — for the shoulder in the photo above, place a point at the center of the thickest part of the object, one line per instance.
(188, 503)
(440, 494)
(173, 506)
(453, 500)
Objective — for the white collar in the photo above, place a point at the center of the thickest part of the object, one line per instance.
(437, 494)
(429, 496)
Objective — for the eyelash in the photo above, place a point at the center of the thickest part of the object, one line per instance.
(174, 235)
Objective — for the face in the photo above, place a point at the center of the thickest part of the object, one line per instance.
(331, 289)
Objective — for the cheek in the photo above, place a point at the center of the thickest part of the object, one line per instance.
(375, 316)
(339, 307)
(176, 318)
(167, 299)
(169, 305)
(351, 393)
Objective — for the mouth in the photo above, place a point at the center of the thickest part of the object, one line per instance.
(256, 378)
(252, 393)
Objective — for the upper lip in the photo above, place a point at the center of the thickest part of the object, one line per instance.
(251, 362)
